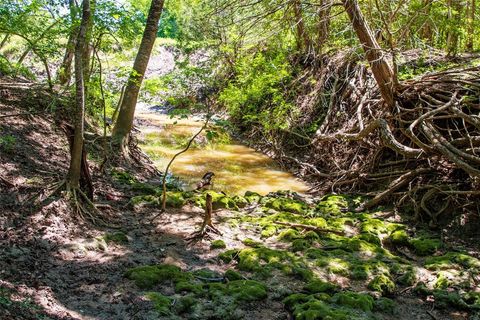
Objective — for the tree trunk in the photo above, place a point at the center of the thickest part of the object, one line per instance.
(323, 24)
(381, 70)
(453, 34)
(64, 72)
(426, 30)
(124, 124)
(471, 26)
(303, 42)
(74, 172)
(4, 40)
(88, 48)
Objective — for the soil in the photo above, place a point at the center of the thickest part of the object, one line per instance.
(55, 265)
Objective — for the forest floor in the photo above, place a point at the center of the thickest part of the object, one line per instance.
(280, 256)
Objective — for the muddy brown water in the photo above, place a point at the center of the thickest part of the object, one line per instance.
(237, 167)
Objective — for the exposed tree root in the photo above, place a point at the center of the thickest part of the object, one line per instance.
(430, 137)
(207, 225)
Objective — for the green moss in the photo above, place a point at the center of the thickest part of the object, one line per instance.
(252, 243)
(382, 284)
(123, 176)
(384, 305)
(161, 303)
(316, 309)
(240, 202)
(247, 290)
(300, 244)
(117, 237)
(188, 286)
(175, 199)
(442, 282)
(317, 222)
(311, 235)
(289, 235)
(452, 260)
(332, 204)
(357, 245)
(444, 299)
(370, 238)
(233, 275)
(229, 255)
(252, 197)
(148, 199)
(268, 231)
(399, 237)
(286, 204)
(185, 304)
(409, 278)
(149, 276)
(255, 259)
(425, 246)
(224, 202)
(354, 300)
(217, 244)
(472, 299)
(144, 188)
(374, 226)
(318, 286)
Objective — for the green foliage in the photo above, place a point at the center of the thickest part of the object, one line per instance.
(257, 97)
(7, 143)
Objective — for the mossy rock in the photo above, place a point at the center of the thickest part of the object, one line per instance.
(354, 300)
(147, 277)
(217, 244)
(286, 204)
(370, 238)
(384, 305)
(240, 201)
(301, 245)
(445, 299)
(188, 286)
(374, 226)
(472, 299)
(317, 222)
(409, 278)
(452, 260)
(332, 205)
(268, 231)
(252, 243)
(185, 304)
(252, 197)
(116, 237)
(318, 286)
(255, 259)
(161, 303)
(399, 238)
(425, 246)
(289, 235)
(229, 255)
(247, 290)
(443, 281)
(232, 275)
(382, 284)
(224, 202)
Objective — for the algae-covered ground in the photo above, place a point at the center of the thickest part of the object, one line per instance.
(308, 258)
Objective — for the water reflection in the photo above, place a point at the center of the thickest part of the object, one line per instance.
(237, 168)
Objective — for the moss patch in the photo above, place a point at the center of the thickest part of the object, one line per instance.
(425, 246)
(146, 277)
(218, 244)
(382, 284)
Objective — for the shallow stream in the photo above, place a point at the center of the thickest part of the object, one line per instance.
(237, 167)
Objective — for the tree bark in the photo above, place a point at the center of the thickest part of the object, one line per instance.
(74, 172)
(124, 124)
(471, 26)
(381, 69)
(303, 41)
(323, 24)
(64, 72)
(4, 40)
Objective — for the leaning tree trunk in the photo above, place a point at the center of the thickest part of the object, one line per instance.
(303, 41)
(74, 172)
(124, 123)
(381, 70)
(64, 72)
